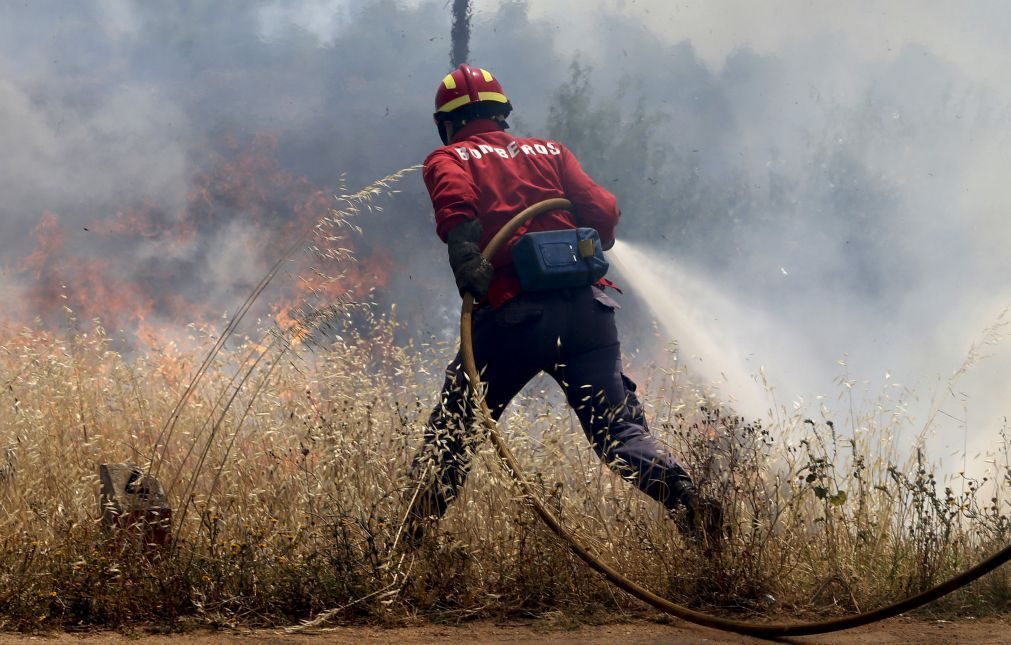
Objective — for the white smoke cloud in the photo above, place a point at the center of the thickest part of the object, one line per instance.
(884, 129)
(68, 155)
(972, 36)
(322, 18)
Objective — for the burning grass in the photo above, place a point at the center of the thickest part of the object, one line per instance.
(288, 501)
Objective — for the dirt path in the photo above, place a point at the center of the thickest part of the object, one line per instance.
(899, 631)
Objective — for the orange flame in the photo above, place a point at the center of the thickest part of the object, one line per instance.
(101, 273)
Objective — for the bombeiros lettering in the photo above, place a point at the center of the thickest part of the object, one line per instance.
(513, 150)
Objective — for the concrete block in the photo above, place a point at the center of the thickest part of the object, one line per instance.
(134, 501)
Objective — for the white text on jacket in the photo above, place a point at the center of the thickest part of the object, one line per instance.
(511, 151)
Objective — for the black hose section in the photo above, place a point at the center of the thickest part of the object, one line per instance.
(763, 630)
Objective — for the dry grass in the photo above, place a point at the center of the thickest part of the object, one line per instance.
(296, 504)
(285, 469)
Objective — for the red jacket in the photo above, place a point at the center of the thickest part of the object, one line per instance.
(488, 174)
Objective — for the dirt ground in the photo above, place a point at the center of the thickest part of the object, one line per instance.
(904, 631)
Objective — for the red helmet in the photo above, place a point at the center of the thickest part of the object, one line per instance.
(467, 93)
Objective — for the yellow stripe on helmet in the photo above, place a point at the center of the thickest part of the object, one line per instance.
(449, 82)
(488, 78)
(492, 96)
(459, 101)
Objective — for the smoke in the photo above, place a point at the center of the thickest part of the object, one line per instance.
(58, 163)
(835, 174)
(176, 150)
(839, 186)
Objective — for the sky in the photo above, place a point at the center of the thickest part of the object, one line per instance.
(827, 179)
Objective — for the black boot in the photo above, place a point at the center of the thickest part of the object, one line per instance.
(702, 521)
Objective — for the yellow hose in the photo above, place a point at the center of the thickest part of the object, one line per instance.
(767, 630)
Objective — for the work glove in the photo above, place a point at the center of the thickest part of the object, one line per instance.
(473, 272)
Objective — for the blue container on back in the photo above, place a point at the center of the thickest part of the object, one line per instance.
(559, 259)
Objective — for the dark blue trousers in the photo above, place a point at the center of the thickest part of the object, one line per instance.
(571, 335)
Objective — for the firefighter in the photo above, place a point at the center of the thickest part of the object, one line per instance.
(478, 181)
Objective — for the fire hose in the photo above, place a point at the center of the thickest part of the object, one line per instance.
(615, 577)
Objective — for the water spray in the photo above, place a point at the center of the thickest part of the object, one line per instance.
(698, 316)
